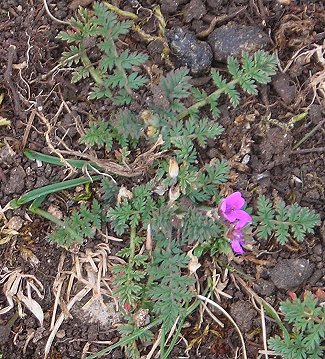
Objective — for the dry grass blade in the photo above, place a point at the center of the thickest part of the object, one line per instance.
(15, 284)
(227, 315)
(135, 169)
(78, 297)
(260, 300)
(264, 332)
(90, 270)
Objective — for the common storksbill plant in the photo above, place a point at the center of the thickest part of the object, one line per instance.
(305, 339)
(167, 215)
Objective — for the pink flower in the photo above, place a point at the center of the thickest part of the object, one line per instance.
(230, 209)
(237, 241)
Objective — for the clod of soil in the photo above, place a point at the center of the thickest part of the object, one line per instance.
(233, 40)
(283, 87)
(243, 313)
(194, 10)
(264, 287)
(170, 6)
(190, 52)
(275, 146)
(291, 273)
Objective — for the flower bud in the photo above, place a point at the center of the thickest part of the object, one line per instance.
(174, 193)
(123, 193)
(173, 168)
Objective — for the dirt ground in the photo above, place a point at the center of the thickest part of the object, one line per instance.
(277, 166)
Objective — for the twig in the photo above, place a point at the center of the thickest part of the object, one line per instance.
(49, 143)
(135, 169)
(8, 79)
(307, 150)
(309, 134)
(27, 129)
(264, 331)
(120, 12)
(217, 20)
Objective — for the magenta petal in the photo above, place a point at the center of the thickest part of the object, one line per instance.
(223, 206)
(231, 216)
(243, 218)
(236, 246)
(235, 200)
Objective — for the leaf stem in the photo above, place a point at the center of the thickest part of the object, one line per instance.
(133, 234)
(204, 102)
(88, 65)
(57, 221)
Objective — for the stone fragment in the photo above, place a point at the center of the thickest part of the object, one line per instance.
(191, 52)
(291, 273)
(233, 40)
(16, 182)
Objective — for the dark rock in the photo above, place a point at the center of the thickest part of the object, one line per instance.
(191, 52)
(233, 40)
(41, 181)
(194, 10)
(291, 273)
(282, 86)
(92, 333)
(322, 232)
(243, 313)
(212, 153)
(313, 194)
(275, 144)
(16, 182)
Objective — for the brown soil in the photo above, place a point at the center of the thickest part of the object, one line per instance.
(30, 51)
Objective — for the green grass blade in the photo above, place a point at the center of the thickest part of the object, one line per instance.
(52, 188)
(34, 155)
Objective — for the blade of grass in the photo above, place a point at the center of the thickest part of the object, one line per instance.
(34, 155)
(41, 212)
(52, 188)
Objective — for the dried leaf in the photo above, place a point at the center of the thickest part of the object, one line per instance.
(6, 235)
(32, 305)
(193, 264)
(28, 255)
(4, 121)
(123, 193)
